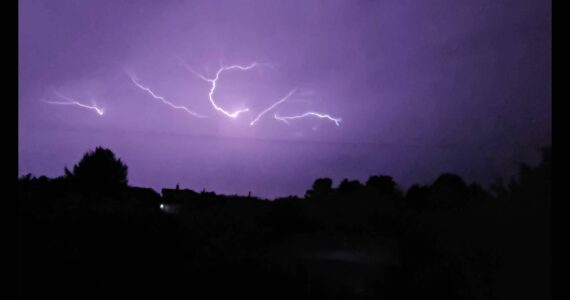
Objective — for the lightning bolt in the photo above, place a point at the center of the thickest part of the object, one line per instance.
(273, 106)
(307, 114)
(214, 82)
(160, 98)
(69, 101)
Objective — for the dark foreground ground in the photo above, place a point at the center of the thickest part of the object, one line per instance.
(448, 240)
(273, 252)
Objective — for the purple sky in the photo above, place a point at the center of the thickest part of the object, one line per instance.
(422, 87)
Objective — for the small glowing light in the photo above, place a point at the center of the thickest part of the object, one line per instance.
(161, 206)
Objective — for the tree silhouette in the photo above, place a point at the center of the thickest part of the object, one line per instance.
(349, 186)
(99, 170)
(384, 185)
(448, 191)
(321, 187)
(532, 185)
(416, 197)
(447, 239)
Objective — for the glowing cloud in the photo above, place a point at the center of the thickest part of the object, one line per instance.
(160, 98)
(308, 114)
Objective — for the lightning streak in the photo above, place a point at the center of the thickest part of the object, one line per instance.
(214, 81)
(160, 98)
(307, 114)
(273, 106)
(70, 101)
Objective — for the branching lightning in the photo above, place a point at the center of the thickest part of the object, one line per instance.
(160, 98)
(273, 106)
(69, 101)
(307, 114)
(214, 81)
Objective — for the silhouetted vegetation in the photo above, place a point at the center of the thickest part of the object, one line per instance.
(98, 171)
(88, 234)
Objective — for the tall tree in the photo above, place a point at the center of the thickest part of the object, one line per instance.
(100, 170)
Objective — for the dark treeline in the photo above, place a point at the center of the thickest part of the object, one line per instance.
(88, 234)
